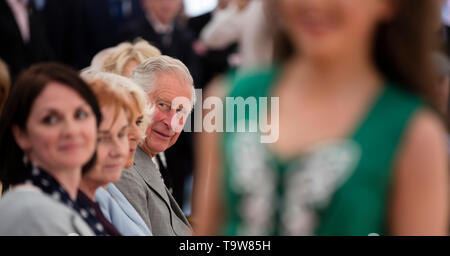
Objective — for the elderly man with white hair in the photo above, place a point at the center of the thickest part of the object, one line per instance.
(170, 89)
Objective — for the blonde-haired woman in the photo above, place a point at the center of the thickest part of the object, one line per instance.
(114, 206)
(123, 58)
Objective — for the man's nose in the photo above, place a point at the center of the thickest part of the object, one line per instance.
(174, 120)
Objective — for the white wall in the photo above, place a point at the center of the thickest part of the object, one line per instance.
(194, 8)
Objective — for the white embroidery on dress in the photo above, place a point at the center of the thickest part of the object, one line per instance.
(254, 180)
(310, 185)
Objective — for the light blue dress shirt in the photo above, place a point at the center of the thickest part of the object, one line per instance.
(120, 212)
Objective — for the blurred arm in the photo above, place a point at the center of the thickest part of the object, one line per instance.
(420, 192)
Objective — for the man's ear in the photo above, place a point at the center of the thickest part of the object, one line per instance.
(21, 138)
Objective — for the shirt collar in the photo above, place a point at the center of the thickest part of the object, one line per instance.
(158, 26)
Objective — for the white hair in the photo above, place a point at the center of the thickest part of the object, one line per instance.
(146, 74)
(126, 85)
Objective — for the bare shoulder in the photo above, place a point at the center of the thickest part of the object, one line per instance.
(419, 199)
(425, 140)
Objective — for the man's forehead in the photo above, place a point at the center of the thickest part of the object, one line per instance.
(170, 86)
(170, 77)
(168, 95)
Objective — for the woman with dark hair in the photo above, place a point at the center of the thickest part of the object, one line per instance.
(360, 151)
(48, 133)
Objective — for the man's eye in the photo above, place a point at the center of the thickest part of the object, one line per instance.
(163, 106)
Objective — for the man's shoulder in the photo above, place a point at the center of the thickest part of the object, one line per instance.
(130, 174)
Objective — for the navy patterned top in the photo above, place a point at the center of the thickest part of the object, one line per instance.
(44, 181)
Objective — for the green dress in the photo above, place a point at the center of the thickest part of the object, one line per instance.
(338, 187)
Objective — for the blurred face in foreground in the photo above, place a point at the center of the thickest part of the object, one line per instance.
(112, 149)
(60, 131)
(328, 28)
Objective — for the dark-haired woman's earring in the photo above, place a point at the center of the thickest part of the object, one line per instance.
(25, 159)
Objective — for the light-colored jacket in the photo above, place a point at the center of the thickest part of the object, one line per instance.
(142, 185)
(26, 211)
(120, 212)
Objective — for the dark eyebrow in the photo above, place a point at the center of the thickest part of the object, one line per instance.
(53, 110)
(48, 111)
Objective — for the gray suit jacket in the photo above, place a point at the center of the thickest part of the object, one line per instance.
(143, 187)
(26, 211)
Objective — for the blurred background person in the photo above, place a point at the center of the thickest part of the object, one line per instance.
(101, 22)
(112, 148)
(25, 38)
(360, 148)
(243, 22)
(78, 29)
(47, 137)
(113, 204)
(213, 62)
(64, 30)
(163, 79)
(160, 28)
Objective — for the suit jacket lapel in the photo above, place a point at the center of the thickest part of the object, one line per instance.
(149, 172)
